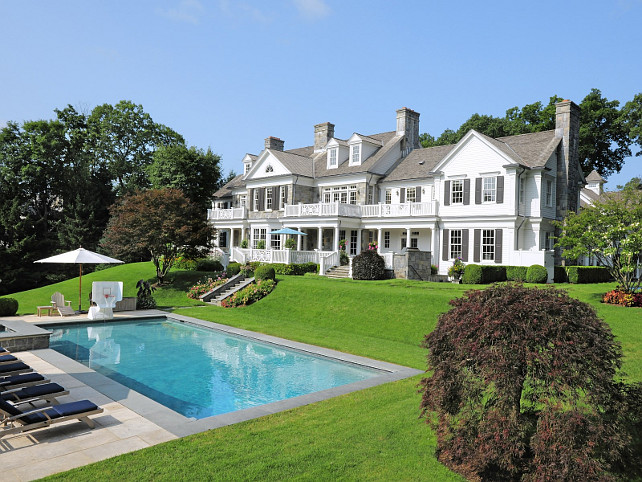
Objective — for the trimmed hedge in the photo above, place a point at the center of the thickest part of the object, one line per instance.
(233, 269)
(208, 264)
(264, 272)
(368, 266)
(587, 274)
(516, 273)
(295, 269)
(536, 274)
(8, 306)
(472, 275)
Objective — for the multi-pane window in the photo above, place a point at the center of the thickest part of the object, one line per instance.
(352, 191)
(353, 242)
(549, 193)
(414, 240)
(457, 192)
(327, 196)
(388, 196)
(242, 200)
(370, 195)
(246, 167)
(275, 241)
(333, 157)
(489, 189)
(404, 242)
(282, 199)
(356, 152)
(455, 243)
(268, 198)
(256, 200)
(386, 239)
(488, 244)
(549, 241)
(259, 235)
(411, 194)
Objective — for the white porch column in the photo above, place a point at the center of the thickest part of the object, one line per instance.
(298, 240)
(358, 241)
(320, 240)
(435, 248)
(407, 237)
(379, 239)
(231, 239)
(242, 233)
(336, 238)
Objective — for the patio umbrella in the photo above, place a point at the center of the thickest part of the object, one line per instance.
(288, 231)
(79, 256)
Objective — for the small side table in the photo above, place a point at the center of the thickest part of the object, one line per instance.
(45, 309)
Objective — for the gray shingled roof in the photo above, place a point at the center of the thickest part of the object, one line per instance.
(295, 163)
(388, 139)
(226, 190)
(533, 149)
(419, 163)
(595, 177)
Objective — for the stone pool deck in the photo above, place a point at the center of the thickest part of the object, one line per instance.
(131, 421)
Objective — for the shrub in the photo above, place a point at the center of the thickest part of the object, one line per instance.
(260, 244)
(244, 243)
(208, 264)
(290, 243)
(8, 306)
(559, 275)
(587, 274)
(368, 266)
(250, 294)
(622, 298)
(457, 269)
(247, 270)
(206, 285)
(183, 262)
(433, 269)
(264, 272)
(233, 269)
(472, 274)
(144, 298)
(492, 273)
(516, 273)
(344, 259)
(295, 269)
(522, 388)
(536, 274)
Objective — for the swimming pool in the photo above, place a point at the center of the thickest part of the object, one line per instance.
(199, 372)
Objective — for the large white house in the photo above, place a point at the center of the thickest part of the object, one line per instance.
(485, 200)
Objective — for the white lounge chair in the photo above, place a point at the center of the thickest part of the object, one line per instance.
(61, 305)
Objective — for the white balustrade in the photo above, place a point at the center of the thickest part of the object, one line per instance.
(223, 214)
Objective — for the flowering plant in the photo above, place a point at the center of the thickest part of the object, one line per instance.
(621, 297)
(457, 269)
(342, 244)
(373, 245)
(249, 294)
(206, 285)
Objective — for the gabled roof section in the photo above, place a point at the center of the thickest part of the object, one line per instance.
(371, 139)
(594, 176)
(226, 190)
(533, 150)
(419, 163)
(295, 163)
(387, 139)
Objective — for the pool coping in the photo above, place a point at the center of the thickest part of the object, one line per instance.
(180, 425)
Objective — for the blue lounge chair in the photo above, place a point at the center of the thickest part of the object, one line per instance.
(22, 380)
(14, 369)
(18, 421)
(4, 351)
(47, 392)
(4, 359)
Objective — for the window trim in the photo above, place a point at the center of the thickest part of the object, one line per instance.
(459, 192)
(411, 192)
(487, 245)
(269, 198)
(548, 193)
(333, 155)
(456, 238)
(355, 154)
(489, 192)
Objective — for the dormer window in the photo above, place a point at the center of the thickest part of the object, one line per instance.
(332, 157)
(356, 153)
(246, 167)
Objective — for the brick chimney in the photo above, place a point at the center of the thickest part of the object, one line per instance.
(274, 143)
(408, 125)
(567, 127)
(322, 134)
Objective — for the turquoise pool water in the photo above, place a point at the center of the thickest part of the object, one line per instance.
(199, 372)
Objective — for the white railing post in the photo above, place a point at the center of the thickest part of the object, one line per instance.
(321, 266)
(350, 266)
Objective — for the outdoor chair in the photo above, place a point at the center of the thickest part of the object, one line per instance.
(4, 351)
(6, 359)
(14, 369)
(18, 421)
(47, 392)
(22, 380)
(61, 305)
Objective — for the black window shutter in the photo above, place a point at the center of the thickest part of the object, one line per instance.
(444, 253)
(500, 190)
(261, 199)
(466, 191)
(402, 195)
(498, 246)
(476, 245)
(478, 190)
(277, 198)
(447, 193)
(285, 193)
(464, 245)
(250, 196)
(418, 191)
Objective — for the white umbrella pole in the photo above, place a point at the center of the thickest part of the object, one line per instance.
(80, 289)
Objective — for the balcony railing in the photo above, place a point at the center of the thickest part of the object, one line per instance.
(222, 214)
(398, 210)
(322, 209)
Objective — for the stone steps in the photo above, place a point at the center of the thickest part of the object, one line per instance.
(338, 272)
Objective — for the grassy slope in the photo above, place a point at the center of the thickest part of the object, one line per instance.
(373, 434)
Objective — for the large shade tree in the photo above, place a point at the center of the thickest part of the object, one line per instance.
(161, 223)
(611, 231)
(523, 387)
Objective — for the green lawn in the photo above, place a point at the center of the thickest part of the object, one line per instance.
(374, 434)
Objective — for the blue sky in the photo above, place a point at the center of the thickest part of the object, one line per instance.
(227, 74)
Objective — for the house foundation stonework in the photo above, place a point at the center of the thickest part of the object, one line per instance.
(484, 200)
